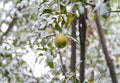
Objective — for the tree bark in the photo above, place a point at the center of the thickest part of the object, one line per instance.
(73, 47)
(82, 37)
(105, 51)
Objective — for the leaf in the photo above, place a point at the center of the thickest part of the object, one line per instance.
(63, 22)
(50, 64)
(45, 49)
(38, 48)
(70, 18)
(49, 45)
(57, 27)
(117, 59)
(56, 1)
(63, 9)
(60, 19)
(47, 11)
(40, 54)
(76, 0)
(74, 39)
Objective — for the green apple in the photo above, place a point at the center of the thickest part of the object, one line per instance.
(60, 40)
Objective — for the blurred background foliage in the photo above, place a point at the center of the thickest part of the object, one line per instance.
(27, 30)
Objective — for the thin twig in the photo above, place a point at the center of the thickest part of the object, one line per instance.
(90, 4)
(114, 11)
(62, 65)
(8, 30)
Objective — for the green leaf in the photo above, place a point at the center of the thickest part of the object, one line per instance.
(63, 9)
(56, 1)
(45, 49)
(40, 54)
(63, 22)
(74, 39)
(70, 18)
(117, 59)
(57, 27)
(50, 64)
(76, 0)
(47, 11)
(38, 48)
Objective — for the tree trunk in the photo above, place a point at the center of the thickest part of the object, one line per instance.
(82, 37)
(73, 47)
(105, 51)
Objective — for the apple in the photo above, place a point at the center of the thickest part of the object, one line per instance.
(60, 40)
